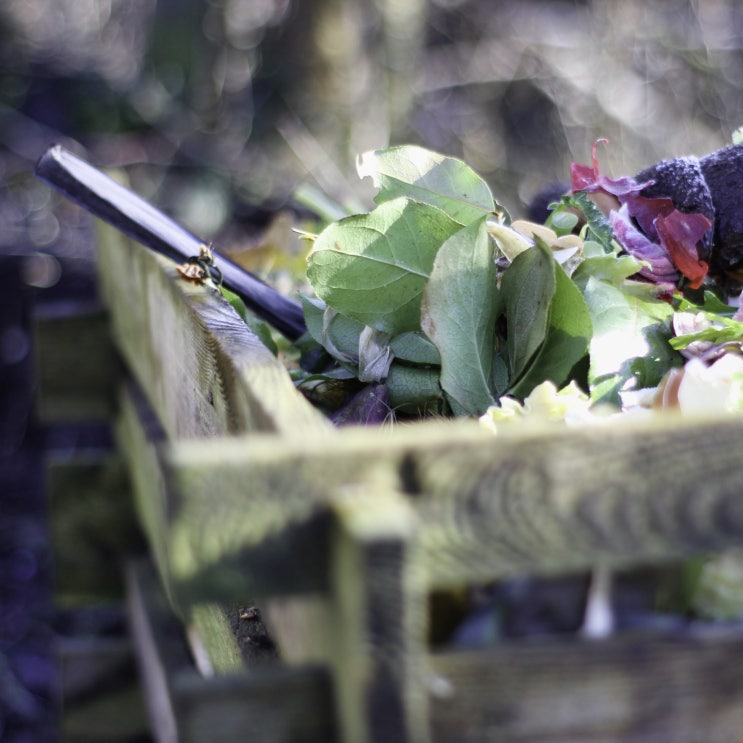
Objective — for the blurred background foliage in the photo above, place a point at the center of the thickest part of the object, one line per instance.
(222, 108)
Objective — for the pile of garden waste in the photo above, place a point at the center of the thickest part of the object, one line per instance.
(436, 302)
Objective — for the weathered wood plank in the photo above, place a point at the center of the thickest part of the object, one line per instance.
(269, 566)
(683, 688)
(205, 373)
(546, 501)
(241, 518)
(77, 367)
(141, 440)
(139, 437)
(210, 633)
(379, 626)
(276, 705)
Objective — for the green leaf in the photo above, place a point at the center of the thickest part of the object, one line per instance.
(731, 330)
(499, 375)
(569, 331)
(597, 225)
(415, 348)
(313, 309)
(458, 315)
(438, 180)
(624, 330)
(260, 328)
(414, 390)
(563, 222)
(373, 267)
(527, 287)
(338, 334)
(710, 303)
(609, 267)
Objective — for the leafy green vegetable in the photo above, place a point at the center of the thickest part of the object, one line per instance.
(569, 331)
(724, 331)
(562, 222)
(414, 390)
(414, 347)
(610, 267)
(411, 296)
(711, 303)
(622, 323)
(597, 225)
(430, 178)
(374, 267)
(340, 335)
(528, 287)
(458, 315)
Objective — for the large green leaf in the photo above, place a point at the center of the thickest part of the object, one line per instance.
(527, 287)
(373, 267)
(569, 331)
(458, 315)
(444, 182)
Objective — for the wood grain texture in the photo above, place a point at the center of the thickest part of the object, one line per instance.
(140, 438)
(378, 624)
(544, 501)
(211, 632)
(663, 688)
(204, 371)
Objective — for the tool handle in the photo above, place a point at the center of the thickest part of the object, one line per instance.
(110, 201)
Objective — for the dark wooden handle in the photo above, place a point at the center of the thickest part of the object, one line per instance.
(122, 208)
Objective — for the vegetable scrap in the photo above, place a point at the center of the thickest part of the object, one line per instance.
(435, 302)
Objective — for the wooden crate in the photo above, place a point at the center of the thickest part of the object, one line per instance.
(247, 494)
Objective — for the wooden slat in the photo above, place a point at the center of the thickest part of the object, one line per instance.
(276, 705)
(260, 569)
(379, 624)
(76, 364)
(139, 437)
(547, 501)
(205, 373)
(683, 688)
(236, 512)
(211, 633)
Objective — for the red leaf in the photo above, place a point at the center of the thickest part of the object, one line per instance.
(589, 178)
(680, 234)
(646, 211)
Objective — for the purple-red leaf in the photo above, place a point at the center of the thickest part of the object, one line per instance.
(586, 178)
(667, 239)
(637, 244)
(680, 234)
